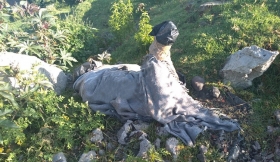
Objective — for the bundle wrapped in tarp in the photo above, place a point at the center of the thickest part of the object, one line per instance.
(149, 92)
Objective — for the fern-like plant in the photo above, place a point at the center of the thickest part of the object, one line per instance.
(142, 37)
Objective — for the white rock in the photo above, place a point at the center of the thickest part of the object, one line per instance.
(171, 146)
(24, 63)
(140, 125)
(123, 132)
(59, 157)
(97, 136)
(247, 64)
(88, 157)
(145, 145)
(157, 143)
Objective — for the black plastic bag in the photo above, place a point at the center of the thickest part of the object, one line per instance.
(166, 33)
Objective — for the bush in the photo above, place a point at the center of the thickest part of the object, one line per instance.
(80, 40)
(47, 123)
(36, 34)
(121, 20)
(142, 37)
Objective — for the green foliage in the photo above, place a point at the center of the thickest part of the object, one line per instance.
(121, 20)
(153, 155)
(81, 40)
(142, 37)
(47, 123)
(37, 33)
(44, 35)
(104, 57)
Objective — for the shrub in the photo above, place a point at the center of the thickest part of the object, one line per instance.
(121, 20)
(46, 123)
(80, 40)
(35, 32)
(142, 37)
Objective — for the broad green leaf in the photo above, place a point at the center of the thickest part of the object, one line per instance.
(10, 97)
(7, 124)
(4, 112)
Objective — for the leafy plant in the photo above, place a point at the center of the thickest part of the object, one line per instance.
(104, 57)
(121, 20)
(66, 58)
(81, 40)
(47, 123)
(142, 37)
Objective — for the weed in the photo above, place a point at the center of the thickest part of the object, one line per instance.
(121, 20)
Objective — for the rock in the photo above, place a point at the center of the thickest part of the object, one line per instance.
(88, 157)
(157, 143)
(145, 145)
(257, 145)
(97, 136)
(215, 92)
(140, 125)
(101, 152)
(59, 157)
(171, 146)
(245, 65)
(161, 131)
(203, 149)
(271, 129)
(22, 62)
(270, 156)
(198, 83)
(110, 146)
(234, 153)
(205, 6)
(258, 157)
(277, 115)
(201, 157)
(123, 132)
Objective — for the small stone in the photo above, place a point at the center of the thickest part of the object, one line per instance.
(203, 149)
(201, 157)
(270, 156)
(258, 146)
(157, 143)
(277, 115)
(234, 153)
(253, 160)
(145, 145)
(270, 129)
(216, 92)
(110, 146)
(123, 132)
(198, 83)
(140, 125)
(101, 152)
(171, 146)
(97, 136)
(59, 157)
(88, 157)
(258, 157)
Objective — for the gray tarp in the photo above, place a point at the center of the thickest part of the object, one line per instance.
(151, 91)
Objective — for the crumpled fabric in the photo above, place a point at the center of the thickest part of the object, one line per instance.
(149, 92)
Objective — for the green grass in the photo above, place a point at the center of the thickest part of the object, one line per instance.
(204, 43)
